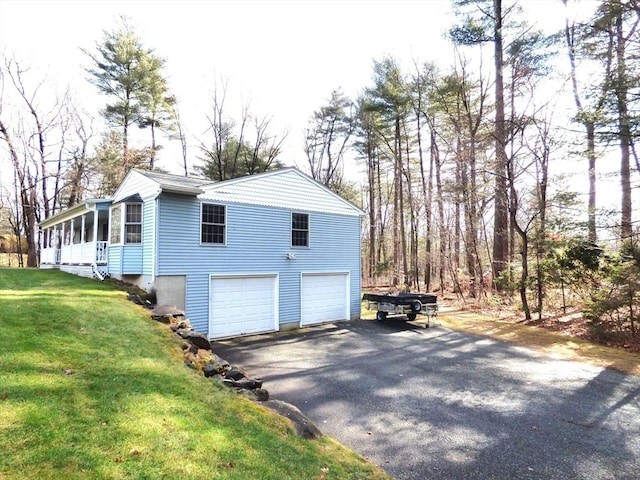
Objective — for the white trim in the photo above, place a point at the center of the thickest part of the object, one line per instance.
(88, 205)
(96, 215)
(276, 296)
(111, 209)
(328, 273)
(124, 223)
(308, 245)
(154, 245)
(226, 224)
(239, 190)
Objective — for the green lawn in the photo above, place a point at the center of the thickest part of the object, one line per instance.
(91, 388)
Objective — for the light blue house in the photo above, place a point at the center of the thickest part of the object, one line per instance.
(255, 254)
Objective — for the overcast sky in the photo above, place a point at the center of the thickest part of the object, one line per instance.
(284, 57)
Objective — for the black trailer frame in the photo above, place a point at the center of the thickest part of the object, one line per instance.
(409, 304)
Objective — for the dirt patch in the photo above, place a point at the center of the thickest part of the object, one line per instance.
(576, 326)
(570, 324)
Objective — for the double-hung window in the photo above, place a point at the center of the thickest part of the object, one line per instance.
(133, 223)
(299, 229)
(213, 224)
(116, 225)
(126, 224)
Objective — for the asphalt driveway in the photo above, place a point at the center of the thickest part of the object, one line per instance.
(434, 403)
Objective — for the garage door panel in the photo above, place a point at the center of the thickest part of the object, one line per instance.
(324, 298)
(241, 305)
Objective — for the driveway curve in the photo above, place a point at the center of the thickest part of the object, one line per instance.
(436, 403)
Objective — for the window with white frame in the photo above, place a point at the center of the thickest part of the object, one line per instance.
(126, 224)
(213, 224)
(299, 229)
(133, 223)
(116, 225)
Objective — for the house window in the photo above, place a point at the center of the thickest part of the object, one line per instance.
(213, 224)
(133, 223)
(299, 229)
(116, 224)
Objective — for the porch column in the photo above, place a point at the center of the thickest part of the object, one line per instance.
(95, 234)
(82, 239)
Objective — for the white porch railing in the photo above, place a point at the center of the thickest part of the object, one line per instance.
(86, 253)
(102, 252)
(49, 256)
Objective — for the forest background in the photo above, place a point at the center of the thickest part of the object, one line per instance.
(490, 142)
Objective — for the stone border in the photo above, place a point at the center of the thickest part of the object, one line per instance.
(199, 355)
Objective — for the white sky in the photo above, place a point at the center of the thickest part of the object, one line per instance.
(282, 56)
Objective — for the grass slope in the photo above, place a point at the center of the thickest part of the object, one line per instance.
(91, 388)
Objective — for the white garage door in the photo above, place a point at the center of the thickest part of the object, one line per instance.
(325, 298)
(242, 305)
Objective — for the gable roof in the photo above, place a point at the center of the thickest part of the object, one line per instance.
(285, 188)
(176, 183)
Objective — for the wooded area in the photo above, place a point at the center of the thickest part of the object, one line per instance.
(458, 192)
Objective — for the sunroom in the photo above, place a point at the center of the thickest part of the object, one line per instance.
(76, 240)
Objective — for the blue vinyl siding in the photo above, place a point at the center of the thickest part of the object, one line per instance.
(114, 264)
(148, 234)
(132, 259)
(258, 239)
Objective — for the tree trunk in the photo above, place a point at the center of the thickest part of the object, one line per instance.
(542, 227)
(624, 126)
(411, 273)
(591, 159)
(457, 228)
(589, 125)
(401, 219)
(522, 284)
(501, 218)
(372, 210)
(442, 264)
(26, 189)
(152, 157)
(427, 187)
(397, 185)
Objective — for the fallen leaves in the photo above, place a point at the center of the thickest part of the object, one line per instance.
(323, 470)
(134, 452)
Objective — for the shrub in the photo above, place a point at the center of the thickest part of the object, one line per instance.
(613, 310)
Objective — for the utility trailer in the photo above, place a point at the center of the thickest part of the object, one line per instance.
(409, 304)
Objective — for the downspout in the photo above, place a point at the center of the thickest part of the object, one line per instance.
(156, 239)
(154, 243)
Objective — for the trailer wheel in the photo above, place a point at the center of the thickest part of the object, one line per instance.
(416, 306)
(411, 316)
(381, 316)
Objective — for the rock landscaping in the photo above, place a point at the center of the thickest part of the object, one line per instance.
(199, 355)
